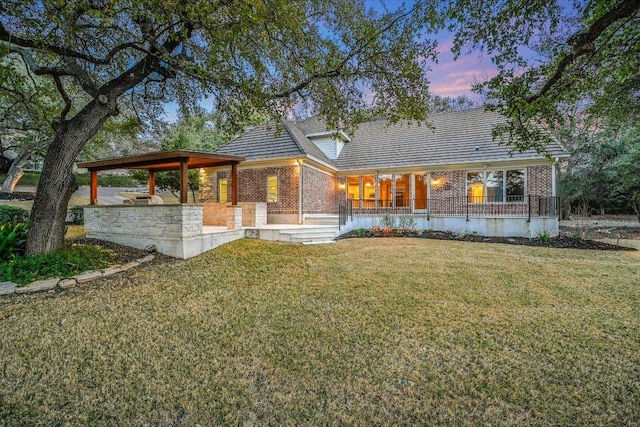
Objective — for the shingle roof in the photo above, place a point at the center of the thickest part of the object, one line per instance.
(271, 140)
(452, 139)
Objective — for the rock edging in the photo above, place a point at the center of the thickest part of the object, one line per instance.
(10, 288)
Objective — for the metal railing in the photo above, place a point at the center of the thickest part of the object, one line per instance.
(463, 206)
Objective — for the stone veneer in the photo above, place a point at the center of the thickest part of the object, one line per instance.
(173, 229)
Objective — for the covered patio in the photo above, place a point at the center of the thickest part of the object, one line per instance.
(177, 229)
(160, 161)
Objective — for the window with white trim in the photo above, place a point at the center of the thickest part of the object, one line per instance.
(496, 186)
(272, 188)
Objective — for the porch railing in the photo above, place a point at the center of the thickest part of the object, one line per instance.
(466, 206)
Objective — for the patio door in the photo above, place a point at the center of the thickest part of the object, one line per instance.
(421, 192)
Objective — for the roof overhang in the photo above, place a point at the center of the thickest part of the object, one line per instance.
(163, 161)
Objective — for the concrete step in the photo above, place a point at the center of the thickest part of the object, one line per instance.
(321, 219)
(309, 235)
(300, 238)
(320, 242)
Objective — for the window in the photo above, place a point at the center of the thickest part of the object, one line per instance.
(368, 191)
(495, 186)
(353, 190)
(222, 190)
(272, 188)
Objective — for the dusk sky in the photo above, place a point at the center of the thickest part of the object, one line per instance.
(447, 77)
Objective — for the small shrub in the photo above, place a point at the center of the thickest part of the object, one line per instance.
(406, 222)
(475, 233)
(387, 222)
(461, 235)
(359, 232)
(399, 232)
(13, 239)
(62, 263)
(75, 215)
(544, 236)
(13, 215)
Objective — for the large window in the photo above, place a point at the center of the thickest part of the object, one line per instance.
(222, 190)
(496, 186)
(385, 187)
(401, 197)
(421, 192)
(272, 188)
(353, 190)
(368, 192)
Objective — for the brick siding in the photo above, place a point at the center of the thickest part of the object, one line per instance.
(319, 192)
(539, 180)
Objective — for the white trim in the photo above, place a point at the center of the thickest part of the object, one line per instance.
(491, 164)
(330, 133)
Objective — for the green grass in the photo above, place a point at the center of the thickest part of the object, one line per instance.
(363, 332)
(63, 263)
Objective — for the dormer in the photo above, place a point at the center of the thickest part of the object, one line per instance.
(330, 143)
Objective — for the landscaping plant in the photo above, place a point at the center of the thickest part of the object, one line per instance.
(13, 238)
(13, 215)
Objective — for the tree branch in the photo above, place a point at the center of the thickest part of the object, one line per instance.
(65, 97)
(582, 42)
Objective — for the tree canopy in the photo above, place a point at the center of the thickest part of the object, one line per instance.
(551, 55)
(332, 55)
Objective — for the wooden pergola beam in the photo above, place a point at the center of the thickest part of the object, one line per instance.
(234, 184)
(152, 183)
(184, 181)
(93, 187)
(181, 160)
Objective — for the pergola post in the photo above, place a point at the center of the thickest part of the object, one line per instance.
(184, 180)
(93, 187)
(152, 183)
(234, 185)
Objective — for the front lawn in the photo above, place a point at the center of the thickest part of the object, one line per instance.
(363, 332)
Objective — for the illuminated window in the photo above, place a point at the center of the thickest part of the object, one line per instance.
(222, 190)
(272, 188)
(492, 187)
(353, 191)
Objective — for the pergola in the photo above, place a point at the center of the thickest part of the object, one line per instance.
(159, 161)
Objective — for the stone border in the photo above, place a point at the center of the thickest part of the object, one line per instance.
(10, 288)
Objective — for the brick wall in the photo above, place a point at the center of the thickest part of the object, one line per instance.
(318, 191)
(448, 184)
(539, 180)
(253, 188)
(340, 194)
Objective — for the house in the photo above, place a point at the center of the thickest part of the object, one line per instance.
(448, 175)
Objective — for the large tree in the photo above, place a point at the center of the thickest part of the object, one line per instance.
(550, 55)
(263, 55)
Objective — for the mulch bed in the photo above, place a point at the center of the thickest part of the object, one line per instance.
(123, 254)
(561, 241)
(17, 196)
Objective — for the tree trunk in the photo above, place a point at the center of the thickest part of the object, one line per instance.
(57, 182)
(16, 171)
